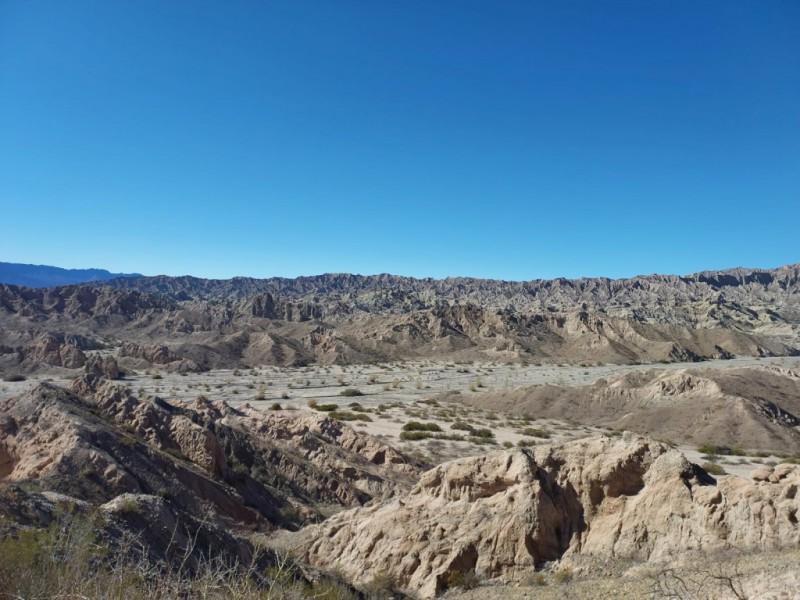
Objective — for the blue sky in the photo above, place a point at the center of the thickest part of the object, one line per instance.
(498, 139)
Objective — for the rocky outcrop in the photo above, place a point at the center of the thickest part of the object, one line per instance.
(158, 354)
(369, 467)
(507, 513)
(254, 468)
(104, 367)
(56, 350)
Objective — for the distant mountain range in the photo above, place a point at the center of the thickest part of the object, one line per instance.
(41, 276)
(191, 323)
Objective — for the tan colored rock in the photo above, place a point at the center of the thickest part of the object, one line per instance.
(761, 473)
(55, 349)
(506, 513)
(102, 366)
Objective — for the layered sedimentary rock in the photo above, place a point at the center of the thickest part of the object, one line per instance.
(507, 513)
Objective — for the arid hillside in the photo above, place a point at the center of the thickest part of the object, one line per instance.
(198, 498)
(743, 408)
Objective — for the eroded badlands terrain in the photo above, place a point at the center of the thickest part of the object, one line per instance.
(345, 437)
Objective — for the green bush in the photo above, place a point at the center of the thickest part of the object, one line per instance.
(482, 433)
(534, 432)
(465, 581)
(326, 407)
(346, 415)
(417, 426)
(415, 435)
(351, 392)
(720, 450)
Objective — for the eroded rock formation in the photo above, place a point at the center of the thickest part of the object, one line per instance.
(507, 513)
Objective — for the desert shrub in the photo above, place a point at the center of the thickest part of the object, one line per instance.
(312, 404)
(720, 450)
(508, 444)
(68, 560)
(482, 433)
(13, 377)
(449, 436)
(284, 396)
(349, 392)
(535, 579)
(465, 581)
(346, 415)
(380, 586)
(326, 407)
(275, 406)
(461, 425)
(417, 426)
(525, 443)
(535, 432)
(563, 575)
(128, 506)
(713, 468)
(482, 440)
(415, 435)
(238, 471)
(157, 376)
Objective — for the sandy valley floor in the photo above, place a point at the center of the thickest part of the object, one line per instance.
(382, 399)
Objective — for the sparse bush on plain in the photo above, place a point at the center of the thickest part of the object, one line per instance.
(351, 392)
(417, 426)
(346, 415)
(535, 432)
(411, 436)
(720, 450)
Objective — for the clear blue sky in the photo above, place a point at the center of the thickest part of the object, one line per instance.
(499, 139)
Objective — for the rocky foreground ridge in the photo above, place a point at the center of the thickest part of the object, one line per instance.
(505, 514)
(231, 470)
(201, 477)
(193, 324)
